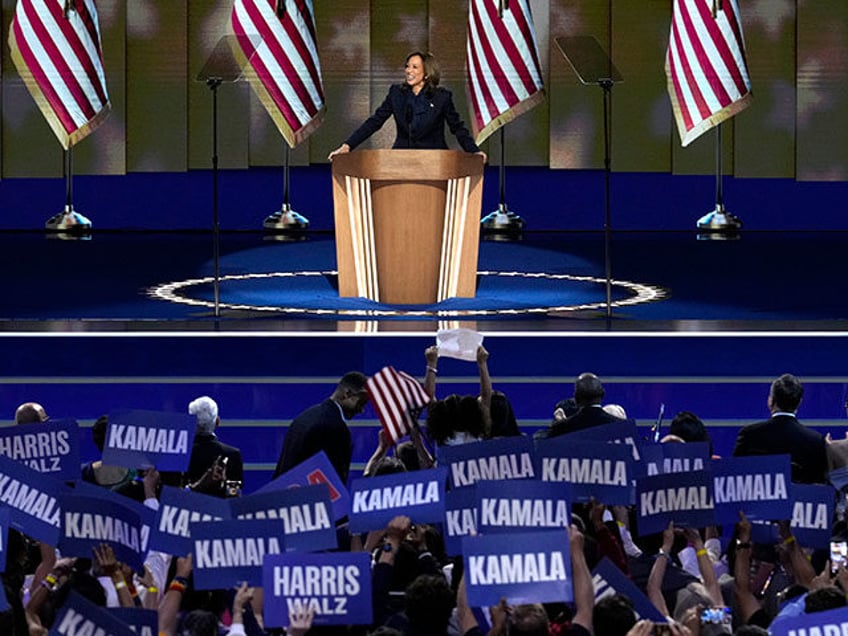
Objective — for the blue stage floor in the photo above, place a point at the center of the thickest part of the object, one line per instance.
(547, 281)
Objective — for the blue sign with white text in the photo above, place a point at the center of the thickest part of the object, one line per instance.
(494, 459)
(460, 517)
(80, 616)
(593, 469)
(522, 505)
(89, 521)
(146, 515)
(229, 552)
(684, 498)
(671, 457)
(49, 447)
(622, 432)
(33, 500)
(419, 494)
(177, 510)
(824, 623)
(303, 514)
(336, 586)
(143, 622)
(608, 579)
(315, 470)
(759, 486)
(812, 512)
(143, 439)
(530, 567)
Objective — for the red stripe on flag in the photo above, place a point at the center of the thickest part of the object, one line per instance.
(724, 51)
(40, 77)
(297, 41)
(74, 40)
(491, 109)
(682, 104)
(269, 38)
(708, 72)
(525, 70)
(503, 36)
(264, 74)
(50, 48)
(691, 82)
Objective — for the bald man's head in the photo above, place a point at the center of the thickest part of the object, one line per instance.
(588, 389)
(30, 413)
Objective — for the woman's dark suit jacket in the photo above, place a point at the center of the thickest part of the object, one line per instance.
(426, 117)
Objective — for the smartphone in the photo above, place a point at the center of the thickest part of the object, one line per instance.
(838, 555)
(661, 629)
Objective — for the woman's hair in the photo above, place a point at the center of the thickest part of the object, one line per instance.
(452, 415)
(432, 72)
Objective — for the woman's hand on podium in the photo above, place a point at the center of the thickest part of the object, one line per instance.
(344, 148)
(482, 154)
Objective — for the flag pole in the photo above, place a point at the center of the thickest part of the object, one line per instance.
(502, 221)
(719, 220)
(285, 219)
(68, 220)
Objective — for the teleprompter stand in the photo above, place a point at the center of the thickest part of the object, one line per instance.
(594, 67)
(220, 68)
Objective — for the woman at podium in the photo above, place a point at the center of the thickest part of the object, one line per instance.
(421, 109)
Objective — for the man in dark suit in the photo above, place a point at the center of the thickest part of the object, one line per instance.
(323, 427)
(207, 450)
(783, 434)
(588, 395)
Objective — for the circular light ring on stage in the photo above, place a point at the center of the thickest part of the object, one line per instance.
(178, 292)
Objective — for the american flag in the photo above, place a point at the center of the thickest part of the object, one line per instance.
(705, 65)
(502, 63)
(397, 397)
(55, 46)
(278, 50)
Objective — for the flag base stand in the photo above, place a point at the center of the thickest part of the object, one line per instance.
(286, 225)
(502, 224)
(68, 220)
(719, 224)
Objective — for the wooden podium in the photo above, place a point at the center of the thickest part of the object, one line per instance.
(407, 224)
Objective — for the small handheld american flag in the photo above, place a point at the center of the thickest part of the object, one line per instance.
(397, 398)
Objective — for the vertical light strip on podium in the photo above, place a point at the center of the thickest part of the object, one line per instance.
(361, 219)
(456, 209)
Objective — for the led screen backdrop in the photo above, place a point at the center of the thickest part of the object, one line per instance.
(797, 54)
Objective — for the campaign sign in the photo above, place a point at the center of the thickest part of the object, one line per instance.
(494, 459)
(33, 500)
(460, 517)
(760, 486)
(142, 439)
(522, 505)
(419, 494)
(50, 447)
(305, 514)
(672, 457)
(177, 510)
(80, 616)
(229, 552)
(593, 469)
(839, 477)
(812, 511)
(146, 515)
(684, 498)
(89, 521)
(336, 586)
(315, 470)
(531, 567)
(608, 579)
(622, 432)
(829, 622)
(143, 622)
(4, 537)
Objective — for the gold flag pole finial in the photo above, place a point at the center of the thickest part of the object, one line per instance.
(281, 9)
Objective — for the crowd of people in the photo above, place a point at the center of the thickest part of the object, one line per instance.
(701, 580)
